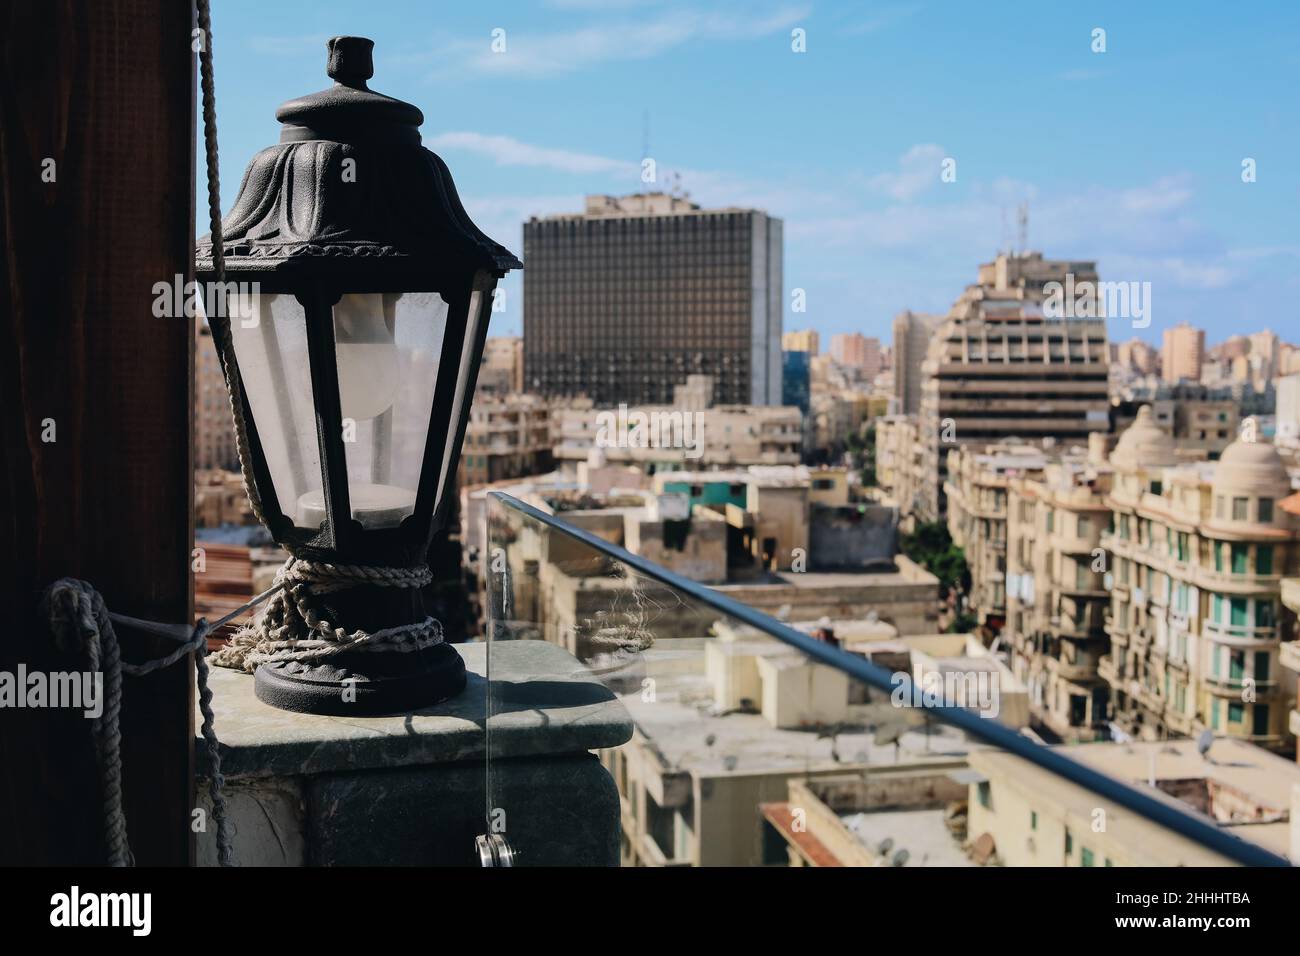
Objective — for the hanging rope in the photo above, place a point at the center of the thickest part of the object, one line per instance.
(218, 319)
(296, 627)
(80, 622)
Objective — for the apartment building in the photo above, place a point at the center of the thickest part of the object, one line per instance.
(1198, 554)
(690, 432)
(214, 429)
(977, 491)
(912, 332)
(1022, 815)
(1290, 651)
(508, 436)
(801, 340)
(1056, 592)
(627, 299)
(1182, 354)
(857, 351)
(899, 466)
(1001, 367)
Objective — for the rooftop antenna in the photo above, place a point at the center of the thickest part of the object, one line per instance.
(1022, 226)
(645, 145)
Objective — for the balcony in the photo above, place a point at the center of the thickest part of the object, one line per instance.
(724, 699)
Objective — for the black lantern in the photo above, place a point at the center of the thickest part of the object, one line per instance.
(356, 367)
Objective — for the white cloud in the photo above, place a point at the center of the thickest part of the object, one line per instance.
(918, 170)
(508, 151)
(531, 54)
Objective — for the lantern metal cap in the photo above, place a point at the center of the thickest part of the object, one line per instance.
(349, 181)
(349, 109)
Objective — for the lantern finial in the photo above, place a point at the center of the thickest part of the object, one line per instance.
(351, 61)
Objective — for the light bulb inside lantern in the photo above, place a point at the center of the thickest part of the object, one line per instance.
(368, 367)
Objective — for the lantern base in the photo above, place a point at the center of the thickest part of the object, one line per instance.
(363, 684)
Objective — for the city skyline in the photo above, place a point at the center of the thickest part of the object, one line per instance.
(1139, 170)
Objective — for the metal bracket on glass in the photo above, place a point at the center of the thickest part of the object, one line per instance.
(493, 850)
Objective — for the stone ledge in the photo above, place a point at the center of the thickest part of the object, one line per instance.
(544, 702)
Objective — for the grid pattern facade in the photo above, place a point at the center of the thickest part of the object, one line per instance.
(623, 308)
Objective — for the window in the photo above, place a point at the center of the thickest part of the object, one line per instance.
(1085, 526)
(1218, 555)
(985, 794)
(1260, 729)
(1238, 611)
(1238, 558)
(1085, 856)
(1051, 520)
(1236, 710)
(1265, 509)
(1239, 509)
(1264, 614)
(1033, 819)
(1263, 559)
(1182, 545)
(1156, 487)
(1214, 711)
(1069, 842)
(1261, 665)
(823, 484)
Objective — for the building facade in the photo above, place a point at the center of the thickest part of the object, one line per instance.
(629, 298)
(912, 332)
(1000, 367)
(1183, 353)
(1196, 624)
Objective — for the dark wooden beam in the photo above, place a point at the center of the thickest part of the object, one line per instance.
(105, 90)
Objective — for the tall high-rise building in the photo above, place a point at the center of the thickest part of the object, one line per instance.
(628, 299)
(912, 331)
(998, 368)
(857, 351)
(1137, 356)
(802, 340)
(1183, 353)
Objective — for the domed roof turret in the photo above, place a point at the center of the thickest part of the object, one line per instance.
(1144, 444)
(1251, 468)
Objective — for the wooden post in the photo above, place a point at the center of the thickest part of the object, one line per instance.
(96, 206)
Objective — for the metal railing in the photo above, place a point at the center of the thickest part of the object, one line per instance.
(1201, 830)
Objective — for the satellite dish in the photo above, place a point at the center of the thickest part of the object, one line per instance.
(710, 740)
(884, 846)
(889, 734)
(1204, 742)
(900, 858)
(730, 761)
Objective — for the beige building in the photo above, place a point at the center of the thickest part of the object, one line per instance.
(1027, 816)
(1056, 592)
(1138, 357)
(214, 430)
(977, 491)
(502, 370)
(1198, 553)
(803, 340)
(1290, 649)
(900, 466)
(857, 351)
(1183, 353)
(508, 436)
(691, 432)
(735, 718)
(1001, 368)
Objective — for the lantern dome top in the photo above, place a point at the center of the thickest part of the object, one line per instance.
(349, 109)
(350, 182)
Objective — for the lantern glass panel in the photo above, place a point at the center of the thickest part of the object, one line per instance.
(460, 407)
(272, 356)
(388, 347)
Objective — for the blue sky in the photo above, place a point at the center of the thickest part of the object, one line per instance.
(1132, 157)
